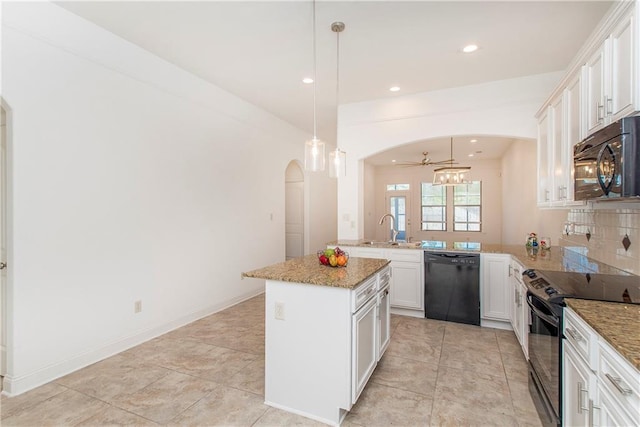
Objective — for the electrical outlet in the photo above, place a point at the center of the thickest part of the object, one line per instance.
(137, 306)
(279, 311)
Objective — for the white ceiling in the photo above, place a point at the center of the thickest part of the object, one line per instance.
(261, 50)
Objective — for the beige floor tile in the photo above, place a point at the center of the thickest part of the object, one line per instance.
(66, 408)
(250, 378)
(523, 405)
(430, 330)
(10, 406)
(384, 406)
(112, 376)
(454, 414)
(406, 374)
(516, 366)
(408, 347)
(476, 390)
(276, 418)
(113, 416)
(473, 360)
(224, 406)
(166, 398)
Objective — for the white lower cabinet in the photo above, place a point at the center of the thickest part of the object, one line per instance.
(407, 289)
(519, 307)
(384, 321)
(407, 274)
(495, 302)
(600, 387)
(365, 351)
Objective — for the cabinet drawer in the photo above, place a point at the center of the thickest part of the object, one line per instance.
(384, 277)
(364, 292)
(620, 378)
(409, 255)
(370, 253)
(581, 337)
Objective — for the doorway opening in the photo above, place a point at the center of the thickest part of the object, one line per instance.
(3, 239)
(399, 206)
(294, 210)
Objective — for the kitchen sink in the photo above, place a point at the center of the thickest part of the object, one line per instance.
(393, 244)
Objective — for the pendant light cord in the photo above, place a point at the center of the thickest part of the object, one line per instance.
(337, 82)
(315, 77)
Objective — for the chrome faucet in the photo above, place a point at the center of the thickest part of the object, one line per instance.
(393, 222)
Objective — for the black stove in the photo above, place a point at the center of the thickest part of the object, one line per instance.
(546, 291)
(554, 286)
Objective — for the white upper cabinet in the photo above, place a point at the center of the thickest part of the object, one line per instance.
(600, 87)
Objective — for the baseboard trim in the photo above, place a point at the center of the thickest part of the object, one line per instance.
(13, 386)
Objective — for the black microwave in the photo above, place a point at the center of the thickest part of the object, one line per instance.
(607, 163)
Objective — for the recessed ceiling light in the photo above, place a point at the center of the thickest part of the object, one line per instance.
(393, 161)
(307, 80)
(394, 88)
(470, 48)
(473, 141)
(471, 155)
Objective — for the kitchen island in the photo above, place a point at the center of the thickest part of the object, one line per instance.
(325, 331)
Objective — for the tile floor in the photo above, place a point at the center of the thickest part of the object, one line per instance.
(211, 373)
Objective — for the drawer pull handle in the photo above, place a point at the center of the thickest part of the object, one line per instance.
(573, 334)
(580, 391)
(616, 382)
(591, 408)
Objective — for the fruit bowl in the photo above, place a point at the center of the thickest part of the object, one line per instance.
(333, 257)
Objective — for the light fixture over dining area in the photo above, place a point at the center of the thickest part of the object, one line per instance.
(337, 158)
(451, 175)
(314, 156)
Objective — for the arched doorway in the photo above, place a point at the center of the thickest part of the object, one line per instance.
(294, 210)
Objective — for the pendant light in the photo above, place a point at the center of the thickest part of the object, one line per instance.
(314, 149)
(451, 175)
(337, 158)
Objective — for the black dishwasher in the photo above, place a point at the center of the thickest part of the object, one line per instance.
(452, 286)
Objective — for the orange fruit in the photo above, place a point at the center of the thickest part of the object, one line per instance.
(342, 260)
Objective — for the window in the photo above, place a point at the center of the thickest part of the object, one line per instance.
(434, 207)
(467, 201)
(398, 187)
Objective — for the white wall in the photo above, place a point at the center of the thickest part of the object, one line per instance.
(131, 180)
(487, 171)
(520, 213)
(502, 108)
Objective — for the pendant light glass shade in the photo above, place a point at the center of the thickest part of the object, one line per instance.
(314, 155)
(337, 163)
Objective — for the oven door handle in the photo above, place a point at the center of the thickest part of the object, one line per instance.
(549, 319)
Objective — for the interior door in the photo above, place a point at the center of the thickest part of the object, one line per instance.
(399, 207)
(3, 250)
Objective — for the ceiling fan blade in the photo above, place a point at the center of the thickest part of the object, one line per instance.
(408, 164)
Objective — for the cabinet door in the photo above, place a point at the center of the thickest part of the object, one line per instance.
(557, 144)
(619, 101)
(407, 289)
(575, 132)
(525, 320)
(543, 160)
(594, 102)
(576, 380)
(365, 350)
(496, 301)
(384, 321)
(608, 412)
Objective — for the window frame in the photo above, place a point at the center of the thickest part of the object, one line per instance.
(479, 206)
(443, 206)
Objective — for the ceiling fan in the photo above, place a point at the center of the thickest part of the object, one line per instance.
(426, 161)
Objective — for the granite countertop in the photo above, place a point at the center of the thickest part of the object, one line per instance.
(309, 271)
(617, 323)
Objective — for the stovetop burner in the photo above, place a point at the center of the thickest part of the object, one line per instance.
(554, 286)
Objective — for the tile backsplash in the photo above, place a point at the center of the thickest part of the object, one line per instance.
(606, 230)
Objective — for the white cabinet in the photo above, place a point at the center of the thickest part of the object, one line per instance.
(384, 321)
(611, 75)
(519, 309)
(578, 389)
(365, 351)
(495, 302)
(559, 129)
(407, 290)
(600, 387)
(407, 276)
